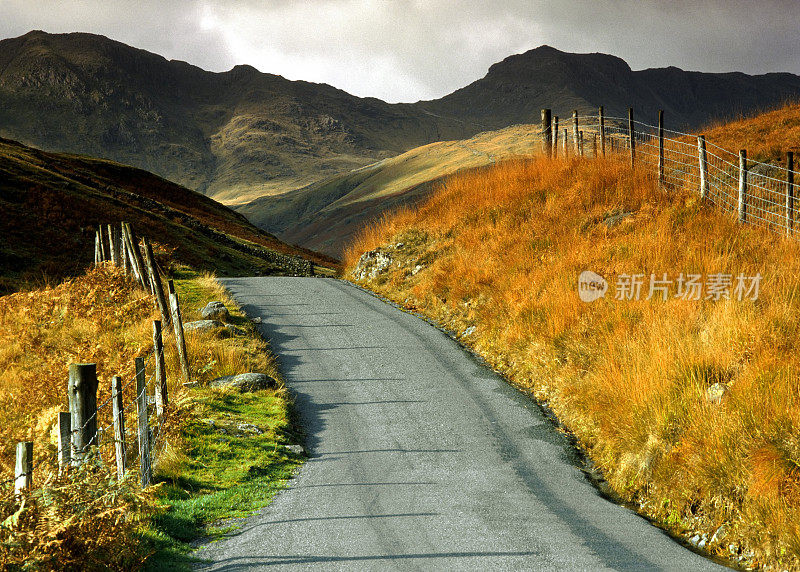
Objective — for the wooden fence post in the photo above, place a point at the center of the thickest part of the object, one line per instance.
(632, 137)
(701, 149)
(123, 248)
(112, 244)
(129, 250)
(566, 145)
(162, 398)
(118, 411)
(575, 132)
(743, 185)
(602, 131)
(177, 325)
(82, 392)
(103, 247)
(145, 468)
(661, 179)
(555, 136)
(64, 439)
(98, 255)
(547, 135)
(23, 473)
(789, 193)
(137, 257)
(155, 279)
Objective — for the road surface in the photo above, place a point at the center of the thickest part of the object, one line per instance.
(420, 458)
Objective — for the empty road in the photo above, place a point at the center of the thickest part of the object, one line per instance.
(420, 458)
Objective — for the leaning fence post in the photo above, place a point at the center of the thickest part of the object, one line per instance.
(555, 136)
(64, 439)
(602, 131)
(23, 473)
(145, 468)
(632, 137)
(575, 132)
(118, 411)
(177, 325)
(661, 147)
(123, 248)
(789, 192)
(162, 398)
(137, 257)
(103, 247)
(82, 393)
(546, 133)
(742, 185)
(701, 149)
(131, 258)
(155, 280)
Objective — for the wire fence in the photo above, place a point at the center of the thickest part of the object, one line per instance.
(100, 431)
(760, 194)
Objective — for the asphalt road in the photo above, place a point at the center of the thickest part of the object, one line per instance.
(420, 458)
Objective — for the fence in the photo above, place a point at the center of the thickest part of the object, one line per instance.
(760, 194)
(81, 434)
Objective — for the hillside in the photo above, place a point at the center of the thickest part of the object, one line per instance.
(327, 215)
(242, 134)
(689, 407)
(51, 204)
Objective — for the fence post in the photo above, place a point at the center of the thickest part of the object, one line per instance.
(575, 132)
(602, 131)
(103, 247)
(789, 193)
(177, 324)
(701, 149)
(155, 279)
(118, 412)
(566, 145)
(64, 439)
(82, 393)
(742, 185)
(129, 250)
(137, 257)
(23, 473)
(661, 147)
(555, 136)
(145, 469)
(632, 137)
(162, 398)
(113, 243)
(546, 133)
(123, 248)
(97, 252)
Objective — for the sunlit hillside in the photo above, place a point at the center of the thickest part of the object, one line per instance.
(691, 408)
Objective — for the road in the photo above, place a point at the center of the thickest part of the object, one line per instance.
(420, 457)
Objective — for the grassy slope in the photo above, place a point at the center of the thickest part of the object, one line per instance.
(50, 204)
(325, 216)
(501, 250)
(205, 472)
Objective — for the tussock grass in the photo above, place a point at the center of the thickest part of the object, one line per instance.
(501, 249)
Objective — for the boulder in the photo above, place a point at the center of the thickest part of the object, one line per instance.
(203, 326)
(716, 392)
(371, 264)
(215, 311)
(245, 382)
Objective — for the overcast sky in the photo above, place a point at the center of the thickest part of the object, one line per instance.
(405, 50)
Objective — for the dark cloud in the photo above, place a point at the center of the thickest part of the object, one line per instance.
(405, 50)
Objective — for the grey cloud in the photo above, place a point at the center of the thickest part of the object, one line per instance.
(406, 50)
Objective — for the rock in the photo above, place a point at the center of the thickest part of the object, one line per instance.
(234, 330)
(695, 540)
(721, 532)
(371, 264)
(256, 320)
(215, 311)
(416, 269)
(245, 382)
(716, 392)
(249, 428)
(296, 449)
(469, 331)
(202, 326)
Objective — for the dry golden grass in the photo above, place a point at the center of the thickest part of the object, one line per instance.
(502, 248)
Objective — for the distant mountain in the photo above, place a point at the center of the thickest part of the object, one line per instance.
(243, 134)
(51, 204)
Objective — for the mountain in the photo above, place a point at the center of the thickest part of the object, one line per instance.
(326, 216)
(243, 134)
(229, 135)
(51, 204)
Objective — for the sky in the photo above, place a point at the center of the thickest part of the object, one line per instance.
(407, 50)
